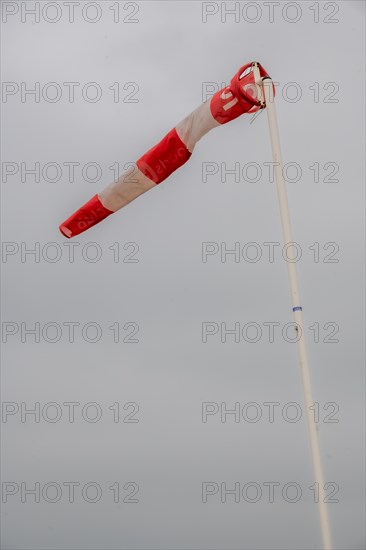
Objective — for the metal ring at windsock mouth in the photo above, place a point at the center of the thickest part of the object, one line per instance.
(258, 82)
(236, 87)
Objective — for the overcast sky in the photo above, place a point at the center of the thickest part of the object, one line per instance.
(136, 316)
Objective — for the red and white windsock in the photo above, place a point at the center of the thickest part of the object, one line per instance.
(242, 95)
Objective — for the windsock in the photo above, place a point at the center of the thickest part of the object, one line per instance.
(241, 96)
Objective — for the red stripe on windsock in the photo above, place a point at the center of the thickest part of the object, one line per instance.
(164, 158)
(225, 106)
(88, 215)
(241, 96)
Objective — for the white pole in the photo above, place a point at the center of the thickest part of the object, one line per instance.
(297, 311)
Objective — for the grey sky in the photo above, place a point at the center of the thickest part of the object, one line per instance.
(159, 291)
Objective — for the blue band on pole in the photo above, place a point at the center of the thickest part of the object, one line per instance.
(297, 308)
